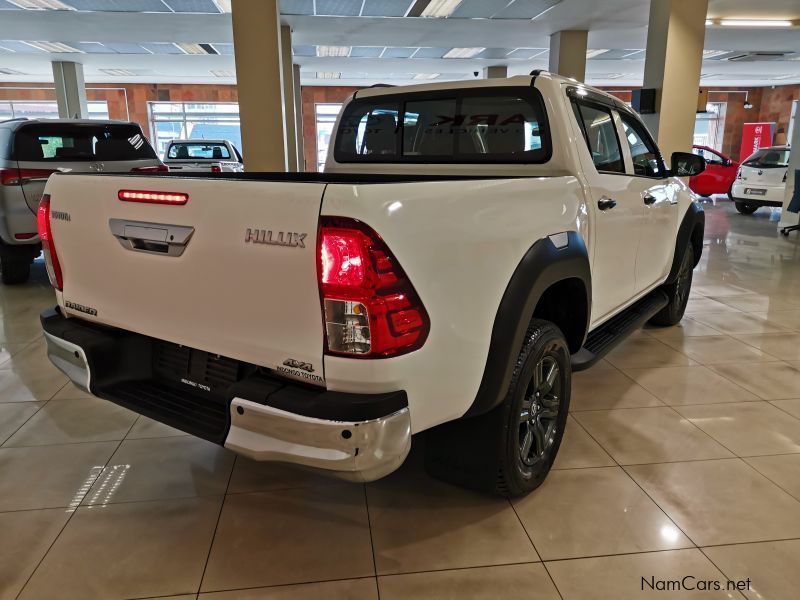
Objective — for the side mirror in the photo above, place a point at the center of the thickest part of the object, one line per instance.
(686, 164)
(727, 162)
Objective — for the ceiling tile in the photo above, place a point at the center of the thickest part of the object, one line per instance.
(478, 9)
(525, 9)
(297, 7)
(162, 48)
(398, 52)
(495, 53)
(304, 50)
(385, 8)
(20, 47)
(366, 51)
(91, 47)
(339, 8)
(224, 49)
(118, 5)
(126, 48)
(431, 52)
(193, 6)
(8, 6)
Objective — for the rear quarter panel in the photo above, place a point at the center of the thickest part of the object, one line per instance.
(459, 243)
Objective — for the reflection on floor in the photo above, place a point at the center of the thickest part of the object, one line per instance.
(681, 457)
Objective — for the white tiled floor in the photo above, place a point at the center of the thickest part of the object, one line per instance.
(681, 457)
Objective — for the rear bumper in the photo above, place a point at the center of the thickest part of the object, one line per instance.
(358, 437)
(773, 195)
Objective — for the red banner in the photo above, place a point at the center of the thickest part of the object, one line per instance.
(755, 136)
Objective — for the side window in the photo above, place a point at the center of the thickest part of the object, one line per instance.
(646, 161)
(601, 137)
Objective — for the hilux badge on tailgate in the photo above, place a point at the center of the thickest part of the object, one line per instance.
(277, 238)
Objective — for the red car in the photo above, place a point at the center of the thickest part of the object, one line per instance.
(719, 174)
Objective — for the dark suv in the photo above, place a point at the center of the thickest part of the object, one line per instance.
(30, 150)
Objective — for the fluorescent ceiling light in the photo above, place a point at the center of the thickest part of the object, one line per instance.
(223, 5)
(41, 4)
(223, 73)
(440, 8)
(615, 75)
(631, 52)
(118, 72)
(426, 75)
(593, 53)
(753, 23)
(463, 52)
(191, 48)
(53, 47)
(713, 53)
(333, 50)
(328, 75)
(709, 22)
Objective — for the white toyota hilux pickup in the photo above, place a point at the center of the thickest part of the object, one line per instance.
(468, 247)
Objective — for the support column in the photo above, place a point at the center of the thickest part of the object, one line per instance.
(568, 53)
(672, 66)
(298, 114)
(287, 76)
(790, 218)
(498, 72)
(257, 44)
(70, 90)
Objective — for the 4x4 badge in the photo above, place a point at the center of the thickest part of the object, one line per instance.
(296, 364)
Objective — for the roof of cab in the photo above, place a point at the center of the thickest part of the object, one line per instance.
(16, 123)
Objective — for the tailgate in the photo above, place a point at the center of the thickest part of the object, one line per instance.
(206, 274)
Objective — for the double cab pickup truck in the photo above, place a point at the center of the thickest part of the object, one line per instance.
(467, 248)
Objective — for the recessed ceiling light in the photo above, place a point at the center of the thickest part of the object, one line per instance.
(426, 75)
(118, 72)
(41, 4)
(191, 48)
(463, 52)
(754, 23)
(593, 53)
(440, 8)
(333, 50)
(53, 47)
(328, 75)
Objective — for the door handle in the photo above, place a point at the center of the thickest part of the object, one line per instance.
(606, 203)
(649, 199)
(154, 238)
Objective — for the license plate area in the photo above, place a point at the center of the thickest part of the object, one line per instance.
(185, 367)
(755, 191)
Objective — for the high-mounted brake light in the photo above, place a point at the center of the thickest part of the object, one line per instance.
(369, 306)
(153, 197)
(151, 169)
(48, 247)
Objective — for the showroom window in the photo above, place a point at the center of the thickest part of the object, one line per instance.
(466, 126)
(709, 126)
(188, 120)
(325, 117)
(43, 109)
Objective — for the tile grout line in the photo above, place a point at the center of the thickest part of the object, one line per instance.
(73, 513)
(216, 525)
(535, 549)
(371, 542)
(653, 500)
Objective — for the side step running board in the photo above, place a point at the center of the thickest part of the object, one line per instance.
(600, 341)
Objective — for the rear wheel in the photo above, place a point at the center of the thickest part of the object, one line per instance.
(15, 265)
(678, 292)
(746, 208)
(509, 451)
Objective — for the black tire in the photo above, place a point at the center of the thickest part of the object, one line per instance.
(746, 208)
(15, 265)
(485, 453)
(678, 292)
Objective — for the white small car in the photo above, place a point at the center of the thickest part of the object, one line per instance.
(761, 179)
(203, 156)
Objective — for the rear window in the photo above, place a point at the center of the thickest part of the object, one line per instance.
(489, 125)
(191, 150)
(72, 142)
(767, 158)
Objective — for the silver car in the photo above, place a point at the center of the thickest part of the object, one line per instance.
(32, 149)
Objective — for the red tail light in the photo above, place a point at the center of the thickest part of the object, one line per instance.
(22, 176)
(216, 169)
(48, 247)
(153, 197)
(369, 306)
(153, 169)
